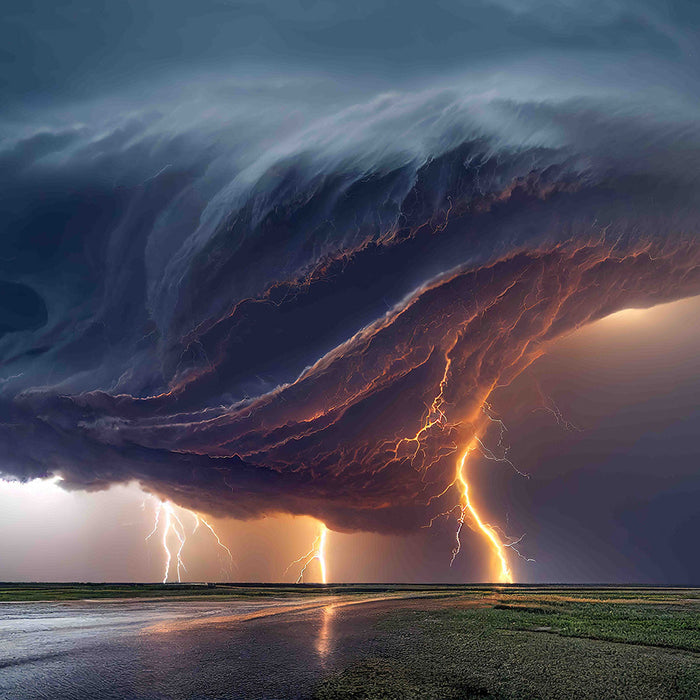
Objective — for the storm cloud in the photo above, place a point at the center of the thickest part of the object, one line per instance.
(258, 286)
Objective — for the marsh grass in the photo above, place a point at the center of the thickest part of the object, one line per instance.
(525, 644)
(662, 624)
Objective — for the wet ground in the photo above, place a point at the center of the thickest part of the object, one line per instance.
(276, 648)
(340, 642)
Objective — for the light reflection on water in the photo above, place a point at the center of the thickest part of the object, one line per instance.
(323, 641)
(272, 648)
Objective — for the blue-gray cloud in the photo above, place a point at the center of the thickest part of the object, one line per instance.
(245, 246)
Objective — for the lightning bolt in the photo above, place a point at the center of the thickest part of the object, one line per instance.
(317, 552)
(171, 526)
(199, 519)
(467, 509)
(467, 512)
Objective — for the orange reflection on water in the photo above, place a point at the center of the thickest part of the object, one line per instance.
(323, 643)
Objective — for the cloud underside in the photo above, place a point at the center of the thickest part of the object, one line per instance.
(366, 438)
(318, 331)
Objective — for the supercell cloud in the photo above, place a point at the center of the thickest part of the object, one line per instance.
(277, 257)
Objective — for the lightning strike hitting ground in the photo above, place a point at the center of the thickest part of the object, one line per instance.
(317, 552)
(172, 526)
(467, 509)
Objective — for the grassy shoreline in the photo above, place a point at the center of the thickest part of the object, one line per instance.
(40, 591)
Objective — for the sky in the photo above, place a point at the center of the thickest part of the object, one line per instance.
(369, 267)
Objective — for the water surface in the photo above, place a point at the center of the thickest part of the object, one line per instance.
(271, 648)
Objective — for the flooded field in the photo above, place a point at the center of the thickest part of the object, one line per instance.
(425, 643)
(274, 648)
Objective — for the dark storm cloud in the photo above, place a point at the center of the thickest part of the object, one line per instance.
(335, 442)
(249, 287)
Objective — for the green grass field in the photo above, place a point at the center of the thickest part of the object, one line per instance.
(534, 643)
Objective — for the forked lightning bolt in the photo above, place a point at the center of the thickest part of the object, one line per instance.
(317, 552)
(171, 526)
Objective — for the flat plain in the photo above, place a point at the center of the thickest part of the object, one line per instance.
(350, 641)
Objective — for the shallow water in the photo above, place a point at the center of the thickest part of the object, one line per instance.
(272, 648)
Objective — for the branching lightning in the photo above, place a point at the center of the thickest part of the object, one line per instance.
(550, 406)
(317, 552)
(199, 519)
(467, 509)
(171, 527)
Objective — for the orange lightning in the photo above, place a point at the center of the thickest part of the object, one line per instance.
(317, 552)
(466, 506)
